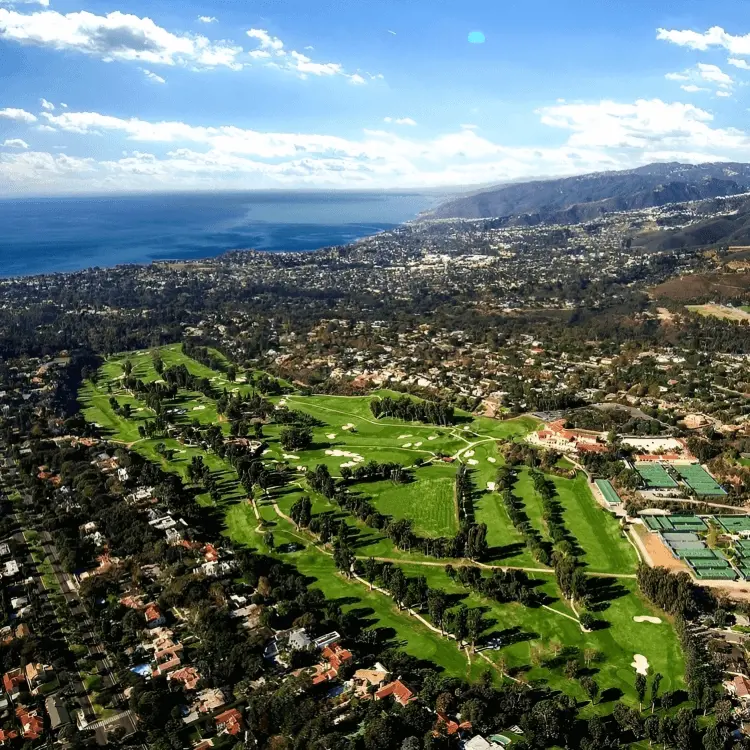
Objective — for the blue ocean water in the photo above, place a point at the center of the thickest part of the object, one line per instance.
(43, 235)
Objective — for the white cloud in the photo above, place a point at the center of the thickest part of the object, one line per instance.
(153, 77)
(702, 75)
(267, 41)
(469, 126)
(15, 143)
(400, 120)
(714, 37)
(592, 136)
(116, 36)
(207, 19)
(642, 125)
(738, 63)
(723, 93)
(44, 3)
(273, 50)
(46, 105)
(63, 105)
(714, 74)
(21, 115)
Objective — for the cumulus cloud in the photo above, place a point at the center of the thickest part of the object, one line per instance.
(714, 37)
(44, 3)
(116, 36)
(400, 120)
(153, 77)
(642, 125)
(739, 63)
(700, 76)
(46, 105)
(593, 136)
(15, 143)
(207, 19)
(21, 115)
(273, 51)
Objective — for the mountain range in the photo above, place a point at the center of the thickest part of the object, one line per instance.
(571, 200)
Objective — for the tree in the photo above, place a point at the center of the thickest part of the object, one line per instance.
(640, 687)
(437, 603)
(655, 682)
(296, 438)
(591, 687)
(474, 626)
(371, 570)
(268, 539)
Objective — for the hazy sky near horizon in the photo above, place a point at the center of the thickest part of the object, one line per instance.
(106, 96)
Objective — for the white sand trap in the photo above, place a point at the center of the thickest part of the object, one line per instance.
(349, 426)
(491, 486)
(416, 445)
(331, 435)
(302, 468)
(465, 427)
(290, 456)
(640, 664)
(348, 465)
(160, 382)
(282, 402)
(491, 459)
(406, 445)
(198, 408)
(472, 462)
(646, 618)
(433, 437)
(355, 457)
(403, 437)
(469, 453)
(266, 451)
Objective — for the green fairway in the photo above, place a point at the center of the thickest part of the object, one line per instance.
(349, 435)
(428, 502)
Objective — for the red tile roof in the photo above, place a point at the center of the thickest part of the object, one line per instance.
(152, 613)
(398, 690)
(230, 721)
(32, 726)
(741, 686)
(13, 679)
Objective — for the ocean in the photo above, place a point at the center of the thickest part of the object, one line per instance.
(45, 235)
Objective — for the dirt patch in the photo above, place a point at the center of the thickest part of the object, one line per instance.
(657, 551)
(699, 287)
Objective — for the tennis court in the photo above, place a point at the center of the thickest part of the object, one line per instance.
(608, 491)
(734, 524)
(726, 574)
(699, 480)
(655, 476)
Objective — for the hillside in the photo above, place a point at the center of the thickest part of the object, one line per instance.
(585, 197)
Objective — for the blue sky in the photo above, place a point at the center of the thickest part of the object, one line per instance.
(102, 96)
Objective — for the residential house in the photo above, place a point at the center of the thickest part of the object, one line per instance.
(37, 675)
(229, 722)
(187, 676)
(154, 617)
(396, 690)
(14, 682)
(32, 725)
(57, 712)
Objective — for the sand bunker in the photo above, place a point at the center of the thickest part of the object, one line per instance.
(355, 457)
(290, 456)
(491, 459)
(282, 402)
(267, 450)
(433, 437)
(646, 618)
(349, 426)
(472, 462)
(416, 445)
(349, 465)
(491, 486)
(640, 664)
(198, 408)
(406, 445)
(403, 437)
(331, 435)
(469, 453)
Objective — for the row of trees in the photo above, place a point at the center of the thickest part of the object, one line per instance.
(403, 407)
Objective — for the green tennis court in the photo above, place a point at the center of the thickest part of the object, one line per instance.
(655, 476)
(699, 480)
(608, 491)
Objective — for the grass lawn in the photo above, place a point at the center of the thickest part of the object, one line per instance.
(428, 502)
(528, 635)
